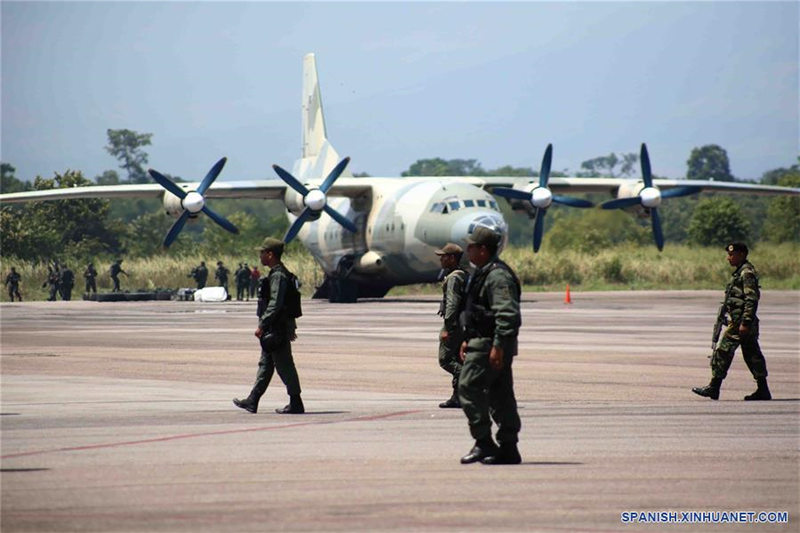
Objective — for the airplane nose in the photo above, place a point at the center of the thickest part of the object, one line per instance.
(490, 219)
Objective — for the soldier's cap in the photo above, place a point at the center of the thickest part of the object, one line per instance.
(737, 247)
(450, 249)
(271, 244)
(482, 235)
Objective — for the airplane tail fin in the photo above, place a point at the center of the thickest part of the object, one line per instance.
(314, 134)
(318, 156)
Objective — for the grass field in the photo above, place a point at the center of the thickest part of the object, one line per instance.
(618, 268)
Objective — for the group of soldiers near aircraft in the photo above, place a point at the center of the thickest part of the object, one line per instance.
(60, 280)
(478, 339)
(246, 278)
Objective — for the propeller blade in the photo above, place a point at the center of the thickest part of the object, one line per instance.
(647, 176)
(515, 194)
(219, 219)
(167, 183)
(621, 202)
(291, 233)
(341, 219)
(335, 173)
(572, 202)
(659, 236)
(211, 176)
(685, 190)
(290, 180)
(538, 229)
(176, 228)
(544, 173)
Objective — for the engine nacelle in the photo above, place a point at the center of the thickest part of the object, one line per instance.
(523, 205)
(172, 205)
(369, 263)
(630, 189)
(293, 201)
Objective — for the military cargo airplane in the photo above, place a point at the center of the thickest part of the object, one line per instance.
(369, 234)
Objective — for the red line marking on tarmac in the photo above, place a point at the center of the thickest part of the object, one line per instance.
(208, 434)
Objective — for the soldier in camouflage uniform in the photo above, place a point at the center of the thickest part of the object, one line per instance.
(491, 321)
(278, 306)
(741, 304)
(449, 309)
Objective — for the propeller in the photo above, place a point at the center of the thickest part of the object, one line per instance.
(650, 197)
(315, 200)
(541, 197)
(192, 201)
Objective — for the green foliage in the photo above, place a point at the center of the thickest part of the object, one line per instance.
(717, 221)
(145, 233)
(783, 214)
(773, 177)
(633, 266)
(109, 177)
(591, 230)
(59, 229)
(9, 182)
(709, 162)
(440, 167)
(126, 146)
(508, 170)
(605, 166)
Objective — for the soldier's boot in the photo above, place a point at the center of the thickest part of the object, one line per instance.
(249, 404)
(451, 402)
(711, 390)
(482, 448)
(507, 454)
(295, 406)
(761, 393)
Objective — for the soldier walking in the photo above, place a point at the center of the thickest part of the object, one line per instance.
(741, 304)
(12, 284)
(115, 271)
(491, 321)
(90, 275)
(449, 309)
(278, 307)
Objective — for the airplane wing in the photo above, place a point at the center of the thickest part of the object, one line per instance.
(612, 185)
(355, 187)
(263, 189)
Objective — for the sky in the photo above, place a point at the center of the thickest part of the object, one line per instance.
(403, 81)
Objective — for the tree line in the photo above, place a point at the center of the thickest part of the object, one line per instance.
(80, 230)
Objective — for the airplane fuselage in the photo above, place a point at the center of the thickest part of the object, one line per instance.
(400, 225)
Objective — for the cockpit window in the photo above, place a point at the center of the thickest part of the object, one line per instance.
(438, 207)
(469, 203)
(481, 203)
(453, 205)
(493, 205)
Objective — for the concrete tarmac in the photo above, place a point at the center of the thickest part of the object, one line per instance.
(118, 417)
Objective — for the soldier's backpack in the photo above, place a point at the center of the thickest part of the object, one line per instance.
(293, 308)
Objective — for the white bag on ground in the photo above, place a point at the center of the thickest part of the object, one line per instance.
(210, 294)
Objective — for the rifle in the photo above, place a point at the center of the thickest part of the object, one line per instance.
(722, 320)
